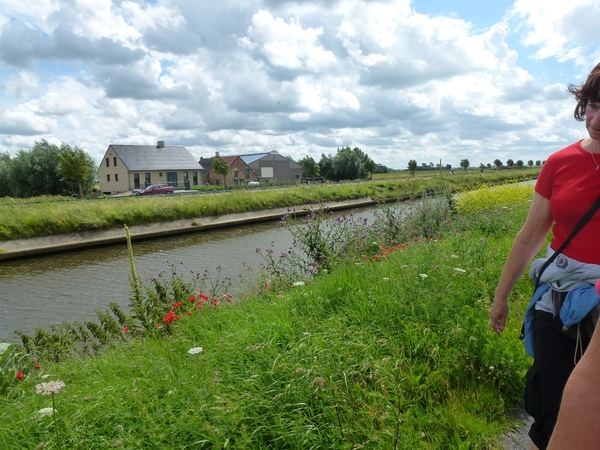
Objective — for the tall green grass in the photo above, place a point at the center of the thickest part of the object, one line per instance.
(394, 352)
(48, 216)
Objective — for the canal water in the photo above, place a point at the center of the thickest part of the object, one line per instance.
(68, 287)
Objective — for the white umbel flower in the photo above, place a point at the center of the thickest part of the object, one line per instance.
(45, 412)
(52, 387)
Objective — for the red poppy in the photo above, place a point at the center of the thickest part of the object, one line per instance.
(192, 299)
(36, 365)
(20, 375)
(125, 329)
(170, 317)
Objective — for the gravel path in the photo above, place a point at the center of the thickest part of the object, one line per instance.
(518, 439)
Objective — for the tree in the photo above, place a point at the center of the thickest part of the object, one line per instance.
(538, 163)
(519, 164)
(530, 163)
(412, 166)
(346, 164)
(367, 165)
(76, 165)
(464, 163)
(5, 184)
(310, 168)
(33, 172)
(221, 167)
(326, 166)
(380, 168)
(510, 163)
(498, 164)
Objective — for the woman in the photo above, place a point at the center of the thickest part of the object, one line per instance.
(568, 185)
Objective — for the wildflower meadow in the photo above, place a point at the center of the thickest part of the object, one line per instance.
(361, 335)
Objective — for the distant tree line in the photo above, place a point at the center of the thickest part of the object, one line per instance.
(47, 169)
(465, 164)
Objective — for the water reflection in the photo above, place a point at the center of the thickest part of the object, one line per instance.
(69, 287)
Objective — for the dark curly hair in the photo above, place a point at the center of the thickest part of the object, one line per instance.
(586, 92)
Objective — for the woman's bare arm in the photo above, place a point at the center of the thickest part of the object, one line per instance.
(526, 245)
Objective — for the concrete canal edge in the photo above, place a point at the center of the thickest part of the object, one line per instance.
(30, 247)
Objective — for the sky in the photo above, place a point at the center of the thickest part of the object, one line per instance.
(429, 80)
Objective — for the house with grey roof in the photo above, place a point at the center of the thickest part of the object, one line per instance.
(129, 167)
(265, 168)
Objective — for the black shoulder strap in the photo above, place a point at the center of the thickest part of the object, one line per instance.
(585, 219)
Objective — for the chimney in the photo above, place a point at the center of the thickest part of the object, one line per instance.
(161, 144)
(216, 154)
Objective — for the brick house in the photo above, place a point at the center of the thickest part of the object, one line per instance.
(262, 167)
(239, 172)
(129, 167)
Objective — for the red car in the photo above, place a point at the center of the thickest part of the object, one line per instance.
(157, 189)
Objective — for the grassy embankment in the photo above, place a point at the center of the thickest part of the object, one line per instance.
(22, 218)
(394, 351)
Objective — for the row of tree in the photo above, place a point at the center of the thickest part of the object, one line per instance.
(465, 164)
(346, 164)
(47, 169)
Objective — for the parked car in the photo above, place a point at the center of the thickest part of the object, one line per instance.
(253, 183)
(156, 189)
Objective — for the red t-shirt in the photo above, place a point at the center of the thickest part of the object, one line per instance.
(570, 180)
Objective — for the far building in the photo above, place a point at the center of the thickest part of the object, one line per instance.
(130, 167)
(262, 167)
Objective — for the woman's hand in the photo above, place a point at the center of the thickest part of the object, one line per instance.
(498, 315)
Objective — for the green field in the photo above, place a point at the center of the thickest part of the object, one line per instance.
(389, 348)
(23, 218)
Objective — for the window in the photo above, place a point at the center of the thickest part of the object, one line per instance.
(147, 179)
(107, 162)
(108, 177)
(160, 174)
(195, 174)
(172, 178)
(115, 161)
(185, 176)
(116, 177)
(247, 173)
(236, 182)
(235, 172)
(136, 180)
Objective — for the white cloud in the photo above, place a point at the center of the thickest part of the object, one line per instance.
(301, 77)
(561, 30)
(152, 16)
(25, 121)
(22, 84)
(288, 45)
